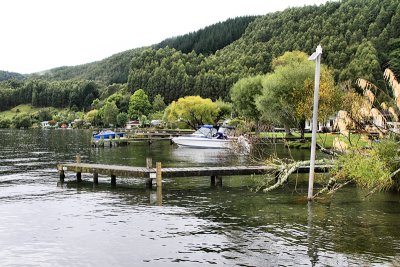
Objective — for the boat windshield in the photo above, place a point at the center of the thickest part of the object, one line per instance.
(206, 131)
(227, 131)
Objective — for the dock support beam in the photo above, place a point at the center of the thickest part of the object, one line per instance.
(159, 196)
(113, 180)
(95, 178)
(216, 180)
(219, 180)
(78, 174)
(78, 177)
(158, 175)
(62, 176)
(149, 164)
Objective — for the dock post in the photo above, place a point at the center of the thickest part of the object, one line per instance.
(158, 175)
(159, 196)
(113, 180)
(95, 178)
(62, 176)
(78, 174)
(78, 177)
(212, 180)
(219, 180)
(149, 164)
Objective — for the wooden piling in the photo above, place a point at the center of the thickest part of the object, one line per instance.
(78, 158)
(95, 178)
(219, 180)
(213, 180)
(78, 177)
(62, 176)
(159, 196)
(113, 180)
(149, 163)
(158, 175)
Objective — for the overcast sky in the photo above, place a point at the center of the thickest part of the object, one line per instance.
(38, 35)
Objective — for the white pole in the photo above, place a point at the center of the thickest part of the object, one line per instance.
(317, 57)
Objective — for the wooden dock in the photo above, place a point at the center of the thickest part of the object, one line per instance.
(148, 137)
(149, 173)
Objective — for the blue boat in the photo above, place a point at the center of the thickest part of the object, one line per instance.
(105, 137)
(108, 134)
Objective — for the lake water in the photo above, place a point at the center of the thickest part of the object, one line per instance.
(45, 224)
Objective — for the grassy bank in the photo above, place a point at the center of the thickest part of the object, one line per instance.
(323, 139)
(21, 109)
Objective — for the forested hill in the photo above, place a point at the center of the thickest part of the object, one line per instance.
(359, 39)
(5, 75)
(210, 39)
(113, 69)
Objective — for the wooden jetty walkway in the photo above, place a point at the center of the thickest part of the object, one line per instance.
(135, 137)
(149, 173)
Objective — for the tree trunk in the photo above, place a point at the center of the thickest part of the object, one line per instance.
(287, 130)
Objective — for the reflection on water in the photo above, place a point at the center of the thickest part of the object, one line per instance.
(188, 223)
(211, 157)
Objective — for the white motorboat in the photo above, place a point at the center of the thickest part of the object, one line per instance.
(207, 137)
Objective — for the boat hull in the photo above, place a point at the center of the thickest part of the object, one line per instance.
(201, 142)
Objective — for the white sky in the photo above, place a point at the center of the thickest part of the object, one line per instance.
(38, 35)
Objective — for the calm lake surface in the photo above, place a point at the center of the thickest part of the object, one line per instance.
(46, 224)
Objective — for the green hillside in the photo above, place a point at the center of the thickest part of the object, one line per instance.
(210, 39)
(359, 38)
(6, 75)
(113, 69)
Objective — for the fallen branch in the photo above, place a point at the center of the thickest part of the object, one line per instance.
(332, 187)
(287, 169)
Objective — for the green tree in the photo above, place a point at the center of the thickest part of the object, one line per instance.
(96, 104)
(224, 110)
(109, 113)
(44, 115)
(277, 103)
(365, 64)
(194, 110)
(158, 103)
(139, 104)
(122, 118)
(93, 117)
(243, 94)
(330, 99)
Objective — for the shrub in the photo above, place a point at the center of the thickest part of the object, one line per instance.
(5, 123)
(22, 121)
(370, 169)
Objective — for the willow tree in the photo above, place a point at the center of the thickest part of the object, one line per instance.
(330, 98)
(194, 110)
(287, 93)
